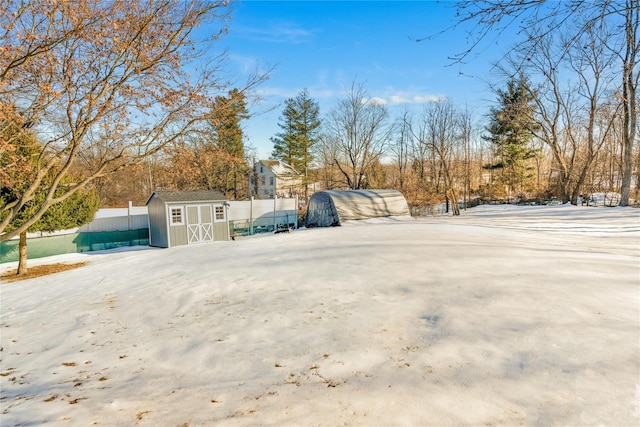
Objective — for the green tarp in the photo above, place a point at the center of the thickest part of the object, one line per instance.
(71, 243)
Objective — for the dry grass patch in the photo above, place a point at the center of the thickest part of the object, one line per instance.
(40, 270)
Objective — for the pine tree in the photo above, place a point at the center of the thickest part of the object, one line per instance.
(511, 131)
(300, 123)
(285, 144)
(228, 136)
(228, 112)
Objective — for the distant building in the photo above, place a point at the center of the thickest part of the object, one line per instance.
(272, 178)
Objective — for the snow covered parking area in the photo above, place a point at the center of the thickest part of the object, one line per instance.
(504, 316)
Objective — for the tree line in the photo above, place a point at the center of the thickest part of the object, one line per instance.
(442, 153)
(564, 123)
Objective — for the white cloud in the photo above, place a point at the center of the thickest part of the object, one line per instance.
(375, 101)
(247, 64)
(398, 99)
(322, 93)
(277, 91)
(293, 92)
(283, 32)
(415, 99)
(402, 98)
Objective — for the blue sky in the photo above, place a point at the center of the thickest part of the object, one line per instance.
(324, 46)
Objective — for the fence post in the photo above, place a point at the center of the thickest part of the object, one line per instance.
(275, 223)
(297, 209)
(129, 208)
(251, 216)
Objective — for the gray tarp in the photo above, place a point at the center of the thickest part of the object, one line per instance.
(329, 208)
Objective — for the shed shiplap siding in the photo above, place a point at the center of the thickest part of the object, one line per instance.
(221, 230)
(177, 233)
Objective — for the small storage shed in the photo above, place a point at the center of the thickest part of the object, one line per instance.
(330, 208)
(187, 217)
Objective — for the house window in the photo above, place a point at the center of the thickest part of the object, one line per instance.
(219, 213)
(270, 180)
(177, 215)
(263, 180)
(261, 169)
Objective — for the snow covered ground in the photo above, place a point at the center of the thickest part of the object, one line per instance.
(504, 316)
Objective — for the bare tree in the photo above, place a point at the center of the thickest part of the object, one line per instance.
(437, 130)
(592, 66)
(539, 22)
(104, 85)
(359, 128)
(466, 128)
(326, 153)
(401, 148)
(630, 78)
(569, 113)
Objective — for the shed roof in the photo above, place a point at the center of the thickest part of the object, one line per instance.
(189, 196)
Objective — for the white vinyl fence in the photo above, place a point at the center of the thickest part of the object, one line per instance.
(245, 217)
(116, 227)
(257, 216)
(118, 219)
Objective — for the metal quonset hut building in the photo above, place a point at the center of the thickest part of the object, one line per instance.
(187, 217)
(330, 208)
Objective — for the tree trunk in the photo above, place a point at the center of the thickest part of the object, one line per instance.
(22, 250)
(629, 82)
(306, 181)
(455, 208)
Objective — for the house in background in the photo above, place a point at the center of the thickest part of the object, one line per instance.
(272, 178)
(186, 217)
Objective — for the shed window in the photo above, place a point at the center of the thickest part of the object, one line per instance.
(177, 215)
(219, 213)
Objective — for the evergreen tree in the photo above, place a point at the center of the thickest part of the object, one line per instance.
(76, 209)
(300, 123)
(511, 131)
(284, 143)
(228, 112)
(228, 137)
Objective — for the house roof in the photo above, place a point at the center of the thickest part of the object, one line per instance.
(188, 196)
(279, 168)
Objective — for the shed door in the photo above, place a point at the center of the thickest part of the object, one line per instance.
(199, 223)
